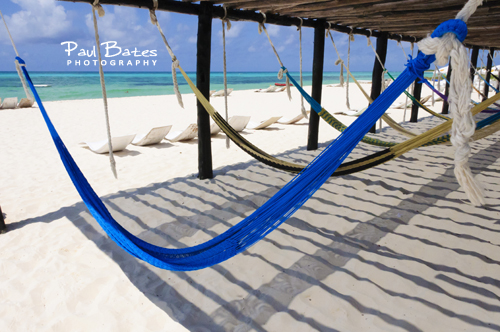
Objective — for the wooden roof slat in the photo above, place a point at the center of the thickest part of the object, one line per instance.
(410, 18)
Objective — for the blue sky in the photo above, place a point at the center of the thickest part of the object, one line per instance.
(40, 26)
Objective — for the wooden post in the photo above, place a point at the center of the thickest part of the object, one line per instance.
(414, 107)
(446, 106)
(378, 69)
(473, 60)
(203, 83)
(3, 228)
(317, 84)
(488, 73)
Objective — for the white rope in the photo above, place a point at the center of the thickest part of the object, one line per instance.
(339, 60)
(23, 81)
(350, 38)
(382, 79)
(175, 62)
(18, 68)
(224, 21)
(262, 27)
(101, 12)
(463, 126)
(434, 78)
(379, 60)
(406, 57)
(302, 108)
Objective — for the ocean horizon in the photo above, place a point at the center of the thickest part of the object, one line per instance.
(55, 85)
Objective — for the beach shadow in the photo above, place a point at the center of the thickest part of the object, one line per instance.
(308, 251)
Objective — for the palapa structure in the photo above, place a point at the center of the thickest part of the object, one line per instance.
(401, 20)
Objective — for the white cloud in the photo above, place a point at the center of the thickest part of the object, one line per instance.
(122, 26)
(273, 30)
(290, 39)
(38, 21)
(251, 49)
(192, 39)
(182, 27)
(236, 28)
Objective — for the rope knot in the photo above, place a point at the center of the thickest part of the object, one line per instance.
(175, 63)
(97, 6)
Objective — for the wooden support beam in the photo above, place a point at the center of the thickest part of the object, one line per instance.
(189, 8)
(489, 64)
(317, 84)
(473, 60)
(3, 228)
(203, 83)
(414, 107)
(446, 106)
(378, 69)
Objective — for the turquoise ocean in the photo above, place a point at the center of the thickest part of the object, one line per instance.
(86, 85)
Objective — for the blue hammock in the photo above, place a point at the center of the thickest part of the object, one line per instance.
(265, 219)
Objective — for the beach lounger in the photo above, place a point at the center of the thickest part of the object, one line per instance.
(271, 88)
(292, 120)
(410, 102)
(155, 136)
(214, 129)
(25, 103)
(189, 133)
(263, 124)
(239, 122)
(352, 112)
(9, 103)
(119, 143)
(220, 93)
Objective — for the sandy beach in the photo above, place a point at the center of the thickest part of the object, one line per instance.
(394, 248)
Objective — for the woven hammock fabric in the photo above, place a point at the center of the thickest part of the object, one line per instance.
(265, 219)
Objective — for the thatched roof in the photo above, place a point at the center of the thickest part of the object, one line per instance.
(410, 18)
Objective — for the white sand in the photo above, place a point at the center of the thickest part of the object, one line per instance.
(394, 248)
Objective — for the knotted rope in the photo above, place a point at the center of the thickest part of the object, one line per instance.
(339, 60)
(100, 10)
(283, 70)
(225, 21)
(459, 97)
(175, 62)
(302, 108)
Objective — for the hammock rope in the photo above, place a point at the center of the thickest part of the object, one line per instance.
(18, 67)
(459, 98)
(175, 62)
(225, 21)
(339, 60)
(101, 12)
(283, 70)
(302, 108)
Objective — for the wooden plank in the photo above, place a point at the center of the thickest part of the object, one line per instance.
(446, 106)
(473, 61)
(417, 94)
(317, 84)
(489, 64)
(3, 228)
(203, 56)
(378, 69)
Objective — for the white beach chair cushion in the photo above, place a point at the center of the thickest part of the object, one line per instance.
(189, 133)
(119, 143)
(155, 136)
(263, 124)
